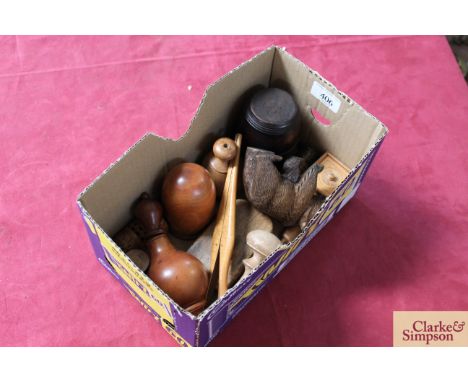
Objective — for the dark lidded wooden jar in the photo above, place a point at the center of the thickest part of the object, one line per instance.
(272, 122)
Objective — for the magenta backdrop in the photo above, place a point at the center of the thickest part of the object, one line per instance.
(69, 106)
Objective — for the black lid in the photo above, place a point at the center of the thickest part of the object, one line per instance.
(272, 111)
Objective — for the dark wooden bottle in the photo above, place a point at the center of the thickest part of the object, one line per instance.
(178, 273)
(272, 122)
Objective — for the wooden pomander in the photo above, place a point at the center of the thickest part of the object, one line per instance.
(188, 197)
(217, 162)
(177, 273)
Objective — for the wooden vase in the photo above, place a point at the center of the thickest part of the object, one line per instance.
(178, 273)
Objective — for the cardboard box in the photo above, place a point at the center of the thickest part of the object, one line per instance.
(354, 136)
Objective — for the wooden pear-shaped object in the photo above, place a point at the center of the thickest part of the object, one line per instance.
(217, 162)
(177, 273)
(189, 198)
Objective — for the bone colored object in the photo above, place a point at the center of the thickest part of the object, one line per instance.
(261, 244)
(279, 198)
(177, 273)
(217, 162)
(334, 172)
(248, 218)
(223, 240)
(290, 233)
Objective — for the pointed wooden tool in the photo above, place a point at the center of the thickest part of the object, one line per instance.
(224, 232)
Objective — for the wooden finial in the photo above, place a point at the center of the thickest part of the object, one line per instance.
(217, 161)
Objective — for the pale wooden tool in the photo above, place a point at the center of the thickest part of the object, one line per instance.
(261, 244)
(248, 218)
(333, 173)
(224, 232)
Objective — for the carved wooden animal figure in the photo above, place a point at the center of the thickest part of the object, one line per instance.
(273, 195)
(317, 202)
(290, 233)
(294, 166)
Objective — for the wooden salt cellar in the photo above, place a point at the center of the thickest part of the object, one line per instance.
(333, 173)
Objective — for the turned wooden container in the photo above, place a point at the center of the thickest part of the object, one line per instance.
(178, 273)
(334, 172)
(272, 122)
(188, 197)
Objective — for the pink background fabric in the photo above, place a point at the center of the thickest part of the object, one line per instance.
(69, 106)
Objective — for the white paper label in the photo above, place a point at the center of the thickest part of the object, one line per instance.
(326, 97)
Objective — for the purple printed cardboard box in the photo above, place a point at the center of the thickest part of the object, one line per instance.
(353, 135)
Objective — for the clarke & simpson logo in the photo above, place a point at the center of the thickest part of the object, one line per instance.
(427, 333)
(430, 328)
